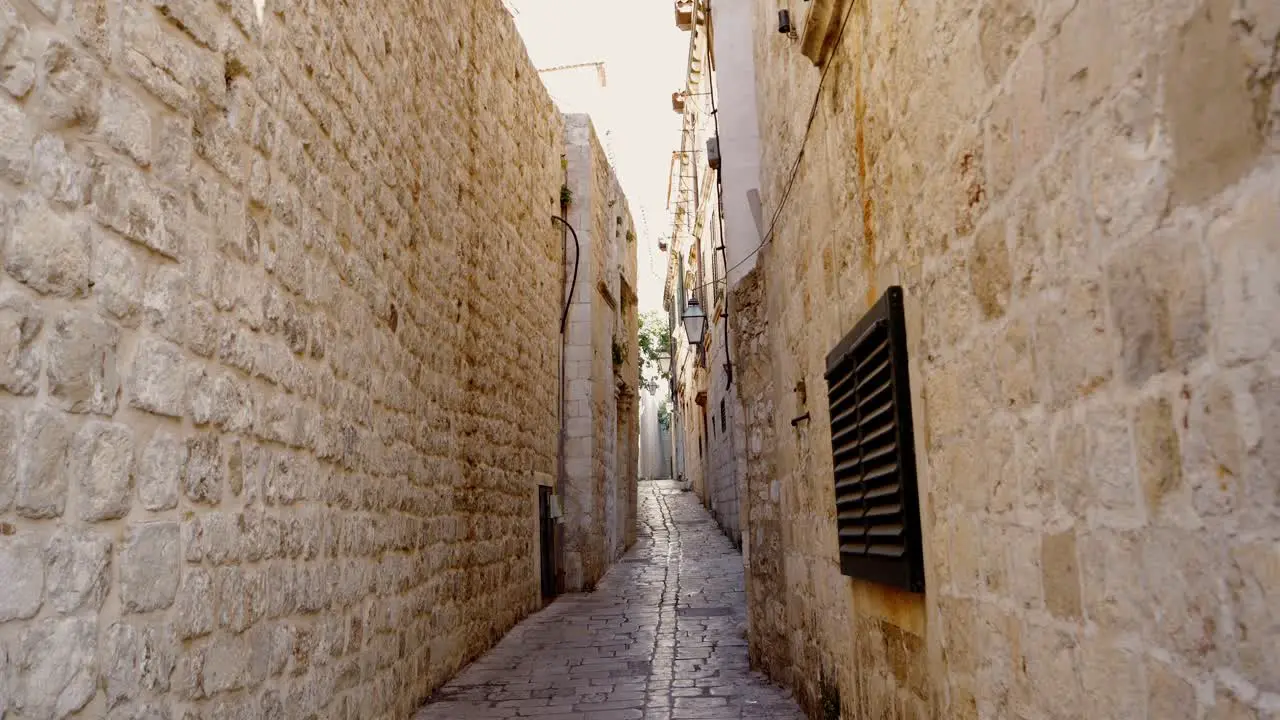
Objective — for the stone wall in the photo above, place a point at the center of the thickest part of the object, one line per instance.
(1081, 202)
(627, 387)
(599, 485)
(691, 425)
(278, 326)
(725, 429)
(762, 543)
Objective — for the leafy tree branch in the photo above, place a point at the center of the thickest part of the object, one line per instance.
(655, 334)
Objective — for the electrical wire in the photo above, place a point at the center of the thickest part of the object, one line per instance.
(724, 252)
(795, 167)
(577, 253)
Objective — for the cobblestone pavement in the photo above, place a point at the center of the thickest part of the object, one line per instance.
(662, 637)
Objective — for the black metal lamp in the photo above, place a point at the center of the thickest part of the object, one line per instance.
(695, 322)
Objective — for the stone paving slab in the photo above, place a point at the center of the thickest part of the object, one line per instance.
(663, 637)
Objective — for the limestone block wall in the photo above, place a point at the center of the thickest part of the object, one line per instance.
(725, 444)
(691, 380)
(278, 321)
(1082, 202)
(599, 483)
(762, 521)
(627, 382)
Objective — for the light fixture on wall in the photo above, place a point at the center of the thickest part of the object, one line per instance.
(786, 26)
(695, 322)
(784, 22)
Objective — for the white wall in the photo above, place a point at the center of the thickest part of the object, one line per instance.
(655, 450)
(739, 129)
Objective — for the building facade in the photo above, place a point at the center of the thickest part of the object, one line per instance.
(602, 367)
(707, 420)
(1078, 203)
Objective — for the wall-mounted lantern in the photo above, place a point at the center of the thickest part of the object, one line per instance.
(695, 322)
(713, 153)
(677, 101)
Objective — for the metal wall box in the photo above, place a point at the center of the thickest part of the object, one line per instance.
(873, 449)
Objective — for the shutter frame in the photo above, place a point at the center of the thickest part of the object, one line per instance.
(873, 447)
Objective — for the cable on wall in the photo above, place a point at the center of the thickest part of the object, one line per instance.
(577, 256)
(724, 252)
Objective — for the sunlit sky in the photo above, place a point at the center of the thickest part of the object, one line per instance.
(644, 55)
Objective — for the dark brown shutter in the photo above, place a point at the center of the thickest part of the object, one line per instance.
(877, 504)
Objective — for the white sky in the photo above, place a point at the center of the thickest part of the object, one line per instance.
(644, 55)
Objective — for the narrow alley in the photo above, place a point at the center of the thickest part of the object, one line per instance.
(663, 636)
(601, 359)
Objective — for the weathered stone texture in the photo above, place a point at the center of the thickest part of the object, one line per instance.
(48, 252)
(599, 486)
(158, 378)
(8, 458)
(15, 143)
(102, 460)
(42, 465)
(82, 364)
(20, 323)
(53, 667)
(136, 659)
(149, 567)
(279, 306)
(78, 570)
(762, 502)
(1080, 201)
(23, 569)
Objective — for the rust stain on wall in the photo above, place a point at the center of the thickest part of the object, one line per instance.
(897, 607)
(860, 144)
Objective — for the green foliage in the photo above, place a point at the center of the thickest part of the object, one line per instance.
(631, 236)
(655, 336)
(664, 415)
(566, 196)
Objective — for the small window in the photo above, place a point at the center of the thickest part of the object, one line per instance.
(723, 424)
(873, 454)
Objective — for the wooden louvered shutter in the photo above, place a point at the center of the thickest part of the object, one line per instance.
(877, 503)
